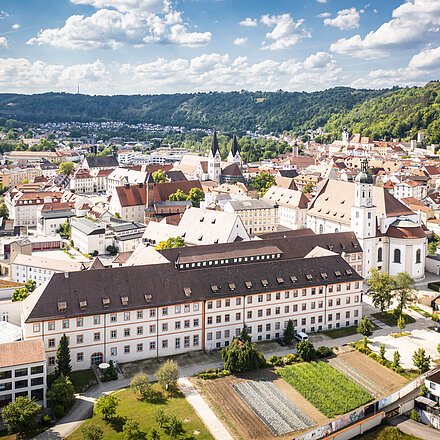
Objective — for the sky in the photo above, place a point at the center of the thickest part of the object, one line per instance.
(176, 46)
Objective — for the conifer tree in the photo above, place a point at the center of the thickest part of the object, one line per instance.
(63, 365)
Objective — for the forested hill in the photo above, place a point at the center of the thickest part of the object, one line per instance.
(232, 111)
(397, 113)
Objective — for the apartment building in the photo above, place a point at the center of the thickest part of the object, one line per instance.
(196, 301)
(22, 371)
(88, 236)
(258, 216)
(13, 177)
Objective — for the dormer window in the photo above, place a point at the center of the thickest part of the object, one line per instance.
(264, 283)
(337, 273)
(248, 284)
(187, 291)
(82, 305)
(280, 280)
(62, 306)
(105, 302)
(293, 279)
(231, 286)
(124, 300)
(214, 288)
(148, 298)
(324, 275)
(309, 277)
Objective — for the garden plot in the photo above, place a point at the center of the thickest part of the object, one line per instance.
(272, 407)
(326, 388)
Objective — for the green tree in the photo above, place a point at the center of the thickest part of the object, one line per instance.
(63, 366)
(380, 287)
(106, 406)
(395, 365)
(117, 215)
(174, 426)
(21, 293)
(306, 350)
(404, 287)
(21, 415)
(141, 384)
(382, 351)
(66, 168)
(131, 430)
(172, 242)
(240, 356)
(92, 432)
(178, 196)
(308, 188)
(196, 195)
(289, 332)
(168, 374)
(62, 392)
(154, 434)
(65, 230)
(159, 176)
(4, 211)
(421, 360)
(161, 418)
(401, 324)
(365, 327)
(262, 182)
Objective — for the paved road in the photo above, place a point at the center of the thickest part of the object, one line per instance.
(414, 428)
(214, 425)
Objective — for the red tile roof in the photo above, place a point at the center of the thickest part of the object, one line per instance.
(132, 195)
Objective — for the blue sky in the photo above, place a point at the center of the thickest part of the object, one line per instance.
(167, 46)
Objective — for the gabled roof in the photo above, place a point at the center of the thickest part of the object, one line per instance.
(131, 195)
(22, 353)
(101, 161)
(231, 169)
(286, 197)
(162, 191)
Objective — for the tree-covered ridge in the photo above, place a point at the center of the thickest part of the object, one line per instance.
(229, 111)
(398, 113)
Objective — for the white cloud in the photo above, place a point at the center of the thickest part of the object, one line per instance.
(3, 14)
(112, 28)
(249, 22)
(345, 19)
(285, 33)
(3, 43)
(240, 41)
(413, 23)
(324, 15)
(322, 1)
(16, 26)
(422, 67)
(20, 74)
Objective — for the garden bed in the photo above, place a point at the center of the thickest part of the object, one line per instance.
(326, 388)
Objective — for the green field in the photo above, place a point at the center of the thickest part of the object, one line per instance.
(144, 413)
(387, 433)
(326, 388)
(390, 318)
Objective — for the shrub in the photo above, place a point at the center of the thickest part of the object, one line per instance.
(131, 430)
(414, 415)
(323, 351)
(110, 373)
(275, 360)
(58, 410)
(106, 406)
(92, 432)
(306, 350)
(434, 286)
(242, 356)
(46, 420)
(291, 358)
(168, 374)
(213, 374)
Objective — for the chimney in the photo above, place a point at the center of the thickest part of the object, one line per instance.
(127, 185)
(66, 274)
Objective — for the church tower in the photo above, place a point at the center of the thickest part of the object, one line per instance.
(214, 160)
(345, 137)
(234, 153)
(363, 213)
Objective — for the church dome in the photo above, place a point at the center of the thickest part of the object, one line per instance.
(364, 176)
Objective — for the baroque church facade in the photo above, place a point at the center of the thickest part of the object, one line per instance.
(391, 235)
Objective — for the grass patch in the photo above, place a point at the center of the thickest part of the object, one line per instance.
(390, 318)
(400, 334)
(325, 387)
(420, 311)
(387, 433)
(81, 379)
(144, 413)
(343, 331)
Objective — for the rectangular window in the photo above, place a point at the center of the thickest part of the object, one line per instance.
(227, 333)
(218, 335)
(113, 334)
(177, 310)
(96, 320)
(268, 327)
(51, 325)
(238, 316)
(177, 325)
(126, 332)
(196, 322)
(79, 357)
(187, 323)
(51, 343)
(79, 339)
(140, 314)
(152, 313)
(249, 299)
(286, 309)
(218, 304)
(152, 328)
(140, 330)
(209, 336)
(65, 323)
(51, 360)
(186, 342)
(140, 347)
(238, 301)
(36, 328)
(196, 340)
(260, 298)
(268, 297)
(164, 311)
(97, 336)
(303, 306)
(20, 372)
(153, 345)
(164, 326)
(196, 307)
(249, 314)
(268, 312)
(126, 349)
(79, 322)
(227, 302)
(34, 370)
(218, 319)
(165, 343)
(259, 313)
(209, 320)
(209, 305)
(126, 316)
(186, 308)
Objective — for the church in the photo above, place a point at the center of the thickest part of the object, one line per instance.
(391, 235)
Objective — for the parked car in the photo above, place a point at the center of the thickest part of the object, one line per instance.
(301, 336)
(281, 342)
(437, 329)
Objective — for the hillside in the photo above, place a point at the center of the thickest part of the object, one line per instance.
(398, 113)
(233, 111)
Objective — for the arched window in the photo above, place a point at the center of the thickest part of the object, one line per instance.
(336, 230)
(379, 255)
(96, 358)
(321, 229)
(418, 256)
(397, 255)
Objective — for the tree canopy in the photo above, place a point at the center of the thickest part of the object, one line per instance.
(170, 243)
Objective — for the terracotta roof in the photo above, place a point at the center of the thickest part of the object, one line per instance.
(122, 257)
(402, 232)
(232, 169)
(104, 173)
(22, 352)
(132, 195)
(162, 191)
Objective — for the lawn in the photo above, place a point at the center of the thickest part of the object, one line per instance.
(144, 413)
(326, 388)
(343, 331)
(387, 433)
(390, 318)
(82, 378)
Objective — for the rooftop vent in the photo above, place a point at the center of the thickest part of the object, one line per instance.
(62, 306)
(148, 298)
(201, 219)
(82, 305)
(264, 283)
(105, 302)
(124, 300)
(231, 286)
(214, 288)
(187, 291)
(213, 220)
(200, 238)
(293, 279)
(248, 284)
(349, 272)
(280, 280)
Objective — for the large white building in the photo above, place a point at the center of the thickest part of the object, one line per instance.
(198, 300)
(88, 236)
(390, 234)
